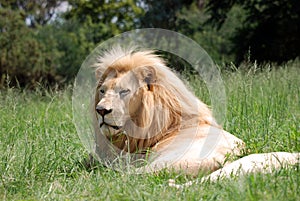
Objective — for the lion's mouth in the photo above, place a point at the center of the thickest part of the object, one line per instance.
(112, 126)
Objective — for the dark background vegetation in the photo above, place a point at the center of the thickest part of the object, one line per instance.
(40, 43)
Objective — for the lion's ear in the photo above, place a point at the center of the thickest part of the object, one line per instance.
(98, 74)
(146, 74)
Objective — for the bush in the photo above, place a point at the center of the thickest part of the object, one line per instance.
(24, 60)
(47, 55)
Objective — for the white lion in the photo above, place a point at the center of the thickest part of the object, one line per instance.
(143, 109)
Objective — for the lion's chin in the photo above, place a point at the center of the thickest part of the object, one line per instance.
(115, 127)
(110, 130)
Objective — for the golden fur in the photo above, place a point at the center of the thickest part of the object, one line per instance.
(150, 109)
(177, 102)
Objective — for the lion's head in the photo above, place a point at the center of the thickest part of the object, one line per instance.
(139, 101)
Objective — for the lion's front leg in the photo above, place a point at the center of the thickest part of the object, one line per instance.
(264, 163)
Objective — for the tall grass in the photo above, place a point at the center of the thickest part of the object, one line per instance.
(41, 153)
(264, 108)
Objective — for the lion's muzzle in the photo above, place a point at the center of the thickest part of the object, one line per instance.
(103, 111)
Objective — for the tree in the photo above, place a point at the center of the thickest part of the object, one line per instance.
(163, 14)
(105, 19)
(36, 12)
(23, 58)
(270, 30)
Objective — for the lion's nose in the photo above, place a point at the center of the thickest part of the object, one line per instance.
(103, 111)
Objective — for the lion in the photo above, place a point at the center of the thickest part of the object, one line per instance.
(144, 110)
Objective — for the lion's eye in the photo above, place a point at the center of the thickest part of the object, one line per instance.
(124, 92)
(102, 91)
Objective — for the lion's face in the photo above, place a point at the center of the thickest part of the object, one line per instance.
(140, 102)
(119, 99)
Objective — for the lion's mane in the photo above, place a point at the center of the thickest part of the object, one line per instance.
(180, 107)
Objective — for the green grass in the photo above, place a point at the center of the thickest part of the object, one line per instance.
(41, 153)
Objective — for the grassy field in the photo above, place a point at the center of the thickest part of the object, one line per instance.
(41, 153)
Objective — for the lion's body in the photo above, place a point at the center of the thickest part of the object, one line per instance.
(142, 107)
(203, 148)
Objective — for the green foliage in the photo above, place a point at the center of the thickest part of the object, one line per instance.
(270, 29)
(24, 59)
(189, 18)
(214, 41)
(51, 50)
(38, 12)
(48, 54)
(105, 19)
(40, 45)
(71, 40)
(163, 14)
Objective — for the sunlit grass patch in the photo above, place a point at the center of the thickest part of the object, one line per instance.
(41, 154)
